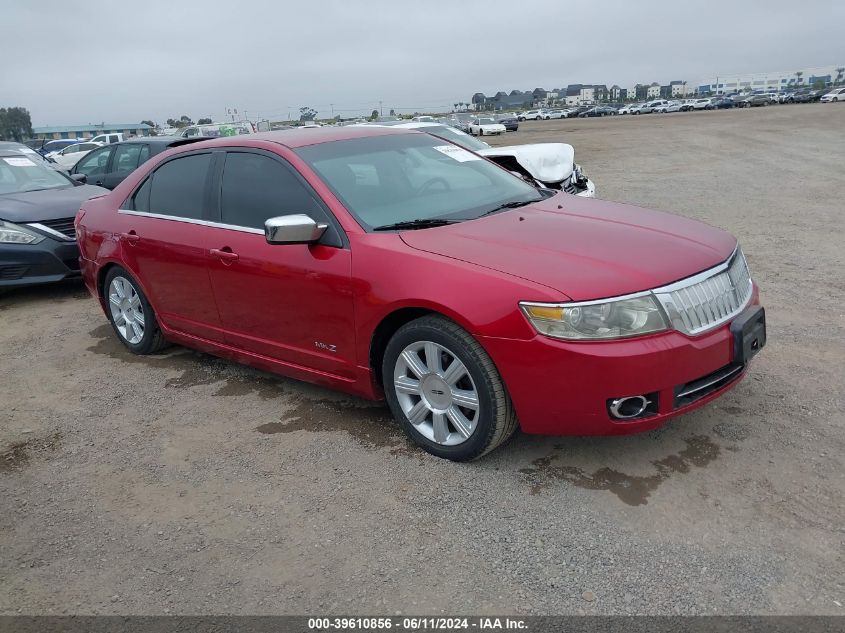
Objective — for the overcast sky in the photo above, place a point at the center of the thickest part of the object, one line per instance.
(81, 61)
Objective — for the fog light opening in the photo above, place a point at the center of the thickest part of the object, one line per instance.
(630, 407)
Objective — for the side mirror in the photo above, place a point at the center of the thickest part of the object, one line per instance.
(80, 178)
(296, 228)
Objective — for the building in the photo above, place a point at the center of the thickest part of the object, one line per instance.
(516, 100)
(653, 91)
(678, 88)
(88, 131)
(587, 94)
(772, 81)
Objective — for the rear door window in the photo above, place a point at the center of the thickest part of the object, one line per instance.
(178, 187)
(94, 163)
(125, 158)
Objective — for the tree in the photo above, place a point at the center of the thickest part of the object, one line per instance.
(15, 124)
(152, 125)
(373, 115)
(839, 73)
(204, 121)
(185, 120)
(307, 114)
(818, 84)
(392, 112)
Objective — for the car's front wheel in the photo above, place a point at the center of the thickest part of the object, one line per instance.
(445, 391)
(131, 314)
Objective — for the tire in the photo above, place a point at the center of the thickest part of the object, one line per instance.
(133, 304)
(439, 340)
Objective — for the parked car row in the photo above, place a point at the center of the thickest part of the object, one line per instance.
(663, 106)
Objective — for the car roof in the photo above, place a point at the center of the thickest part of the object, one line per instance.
(302, 137)
(166, 141)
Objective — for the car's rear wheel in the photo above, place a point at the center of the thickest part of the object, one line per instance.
(131, 314)
(445, 391)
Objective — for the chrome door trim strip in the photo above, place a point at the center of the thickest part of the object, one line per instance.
(175, 218)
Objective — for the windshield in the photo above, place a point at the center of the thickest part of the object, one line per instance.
(485, 121)
(455, 136)
(383, 180)
(235, 129)
(19, 174)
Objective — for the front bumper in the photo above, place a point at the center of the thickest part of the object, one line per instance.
(588, 190)
(563, 388)
(32, 264)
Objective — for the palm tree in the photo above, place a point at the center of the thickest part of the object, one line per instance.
(798, 75)
(839, 73)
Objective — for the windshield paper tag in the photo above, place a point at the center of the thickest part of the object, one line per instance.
(458, 153)
(20, 162)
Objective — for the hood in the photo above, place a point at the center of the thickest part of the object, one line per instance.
(588, 249)
(547, 162)
(49, 204)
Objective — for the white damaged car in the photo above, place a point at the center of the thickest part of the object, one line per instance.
(550, 165)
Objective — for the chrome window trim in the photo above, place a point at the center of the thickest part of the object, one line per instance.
(176, 218)
(52, 232)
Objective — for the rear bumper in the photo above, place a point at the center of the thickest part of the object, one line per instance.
(31, 264)
(563, 388)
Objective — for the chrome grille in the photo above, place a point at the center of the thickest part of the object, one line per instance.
(710, 298)
(62, 227)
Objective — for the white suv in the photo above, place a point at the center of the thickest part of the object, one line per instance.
(702, 104)
(531, 115)
(107, 139)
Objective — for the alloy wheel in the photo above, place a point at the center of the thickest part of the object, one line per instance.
(436, 393)
(126, 310)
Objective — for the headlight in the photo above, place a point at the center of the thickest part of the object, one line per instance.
(592, 320)
(14, 234)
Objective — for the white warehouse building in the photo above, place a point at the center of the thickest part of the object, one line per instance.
(773, 81)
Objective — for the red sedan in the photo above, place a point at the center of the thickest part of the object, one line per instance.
(391, 264)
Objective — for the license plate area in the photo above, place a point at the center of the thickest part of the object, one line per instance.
(749, 334)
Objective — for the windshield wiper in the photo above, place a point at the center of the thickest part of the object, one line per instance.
(420, 223)
(509, 205)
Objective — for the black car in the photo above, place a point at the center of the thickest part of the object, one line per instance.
(597, 111)
(109, 165)
(37, 208)
(510, 122)
(722, 104)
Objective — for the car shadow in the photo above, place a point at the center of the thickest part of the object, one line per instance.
(67, 290)
(631, 467)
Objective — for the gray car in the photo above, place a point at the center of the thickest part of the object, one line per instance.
(37, 210)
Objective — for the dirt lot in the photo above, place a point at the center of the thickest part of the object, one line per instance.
(185, 484)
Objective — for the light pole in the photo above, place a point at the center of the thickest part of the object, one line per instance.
(380, 109)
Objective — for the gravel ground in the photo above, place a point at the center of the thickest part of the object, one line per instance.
(185, 484)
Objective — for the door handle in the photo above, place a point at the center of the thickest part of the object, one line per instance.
(130, 237)
(224, 254)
